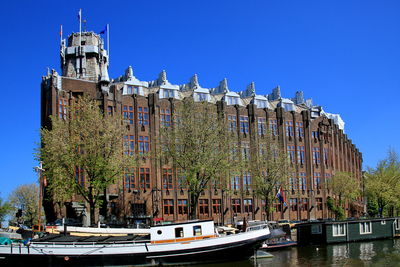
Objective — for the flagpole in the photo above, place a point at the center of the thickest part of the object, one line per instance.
(108, 42)
(61, 32)
(80, 26)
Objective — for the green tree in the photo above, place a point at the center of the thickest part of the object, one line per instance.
(26, 198)
(5, 209)
(346, 188)
(197, 142)
(88, 141)
(270, 170)
(382, 184)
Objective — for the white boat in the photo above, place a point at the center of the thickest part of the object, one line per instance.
(193, 241)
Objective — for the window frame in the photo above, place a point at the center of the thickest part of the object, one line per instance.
(340, 229)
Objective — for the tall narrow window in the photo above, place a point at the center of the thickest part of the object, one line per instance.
(246, 150)
(232, 123)
(110, 110)
(315, 134)
(130, 178)
(248, 205)
(300, 155)
(247, 181)
(293, 204)
(235, 182)
(328, 181)
(182, 206)
(244, 124)
(129, 145)
(165, 117)
(317, 180)
(80, 176)
(299, 129)
(293, 182)
(167, 179)
(289, 128)
(236, 207)
(302, 181)
(318, 201)
(143, 115)
(277, 204)
(203, 206)
(144, 145)
(304, 204)
(262, 126)
(316, 155)
(168, 206)
(291, 153)
(128, 113)
(62, 108)
(216, 206)
(181, 175)
(144, 178)
(273, 127)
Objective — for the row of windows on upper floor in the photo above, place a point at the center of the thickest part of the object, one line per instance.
(172, 180)
(199, 96)
(236, 205)
(142, 113)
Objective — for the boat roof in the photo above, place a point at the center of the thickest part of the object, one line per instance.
(186, 222)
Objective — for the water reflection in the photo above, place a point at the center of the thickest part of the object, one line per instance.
(371, 254)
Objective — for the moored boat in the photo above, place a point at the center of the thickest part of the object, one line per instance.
(184, 242)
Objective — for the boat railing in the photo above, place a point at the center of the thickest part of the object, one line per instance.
(78, 244)
(256, 227)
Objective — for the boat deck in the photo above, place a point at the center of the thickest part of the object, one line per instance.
(54, 238)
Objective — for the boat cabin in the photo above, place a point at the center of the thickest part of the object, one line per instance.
(179, 232)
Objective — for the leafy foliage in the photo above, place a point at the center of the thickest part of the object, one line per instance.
(346, 189)
(197, 143)
(88, 140)
(270, 170)
(26, 198)
(5, 209)
(382, 184)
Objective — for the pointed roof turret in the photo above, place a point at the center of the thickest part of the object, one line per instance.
(222, 88)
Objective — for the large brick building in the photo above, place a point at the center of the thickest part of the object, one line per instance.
(314, 140)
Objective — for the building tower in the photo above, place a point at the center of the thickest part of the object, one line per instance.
(84, 57)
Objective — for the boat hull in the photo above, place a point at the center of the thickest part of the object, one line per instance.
(203, 253)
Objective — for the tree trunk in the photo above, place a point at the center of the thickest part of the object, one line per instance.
(194, 198)
(267, 208)
(91, 206)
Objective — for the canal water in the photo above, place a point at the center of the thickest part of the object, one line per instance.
(380, 253)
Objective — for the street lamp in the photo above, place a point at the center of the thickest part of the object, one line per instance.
(39, 169)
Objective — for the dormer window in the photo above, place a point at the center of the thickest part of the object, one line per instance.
(168, 93)
(202, 96)
(232, 100)
(132, 90)
(261, 103)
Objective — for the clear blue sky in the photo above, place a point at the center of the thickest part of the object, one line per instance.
(343, 54)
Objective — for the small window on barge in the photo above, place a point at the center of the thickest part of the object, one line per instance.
(197, 230)
(179, 232)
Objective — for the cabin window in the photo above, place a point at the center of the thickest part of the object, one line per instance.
(316, 229)
(197, 230)
(365, 228)
(339, 229)
(159, 232)
(179, 232)
(397, 222)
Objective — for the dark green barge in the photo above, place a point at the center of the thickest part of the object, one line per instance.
(327, 232)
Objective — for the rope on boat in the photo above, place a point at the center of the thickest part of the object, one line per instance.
(90, 252)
